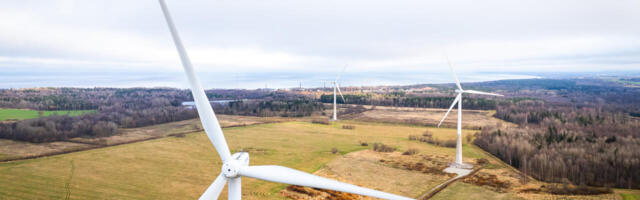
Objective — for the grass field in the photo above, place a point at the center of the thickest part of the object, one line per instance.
(20, 114)
(11, 149)
(181, 168)
(473, 119)
(459, 190)
(625, 81)
(630, 196)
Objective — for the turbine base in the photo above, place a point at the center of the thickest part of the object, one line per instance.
(461, 165)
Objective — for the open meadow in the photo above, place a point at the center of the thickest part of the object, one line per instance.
(13, 149)
(182, 166)
(20, 114)
(473, 119)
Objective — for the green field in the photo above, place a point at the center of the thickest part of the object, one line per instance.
(20, 114)
(182, 168)
(625, 81)
(630, 196)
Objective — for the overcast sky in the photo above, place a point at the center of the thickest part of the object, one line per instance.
(318, 36)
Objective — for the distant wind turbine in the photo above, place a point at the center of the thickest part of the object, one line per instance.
(336, 86)
(458, 100)
(237, 165)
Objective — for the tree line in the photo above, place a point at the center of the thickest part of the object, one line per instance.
(404, 100)
(556, 155)
(133, 107)
(128, 98)
(270, 108)
(101, 124)
(580, 131)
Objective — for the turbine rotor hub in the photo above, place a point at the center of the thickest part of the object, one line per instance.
(231, 167)
(459, 91)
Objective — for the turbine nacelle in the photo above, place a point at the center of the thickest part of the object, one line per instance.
(232, 167)
(459, 91)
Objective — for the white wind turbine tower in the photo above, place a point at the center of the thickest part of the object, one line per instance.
(237, 165)
(458, 100)
(336, 86)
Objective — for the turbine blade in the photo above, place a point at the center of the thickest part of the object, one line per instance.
(281, 174)
(340, 74)
(338, 86)
(483, 93)
(215, 188)
(453, 73)
(207, 116)
(451, 107)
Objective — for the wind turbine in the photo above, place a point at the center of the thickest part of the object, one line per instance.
(237, 165)
(458, 100)
(336, 86)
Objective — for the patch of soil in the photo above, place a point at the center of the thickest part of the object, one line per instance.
(488, 180)
(416, 166)
(300, 192)
(303, 190)
(253, 150)
(427, 164)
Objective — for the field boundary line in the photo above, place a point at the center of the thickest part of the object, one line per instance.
(67, 184)
(98, 146)
(444, 185)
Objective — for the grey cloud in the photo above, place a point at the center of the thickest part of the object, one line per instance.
(333, 31)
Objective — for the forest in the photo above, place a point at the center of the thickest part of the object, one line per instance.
(132, 107)
(579, 132)
(401, 99)
(101, 124)
(269, 108)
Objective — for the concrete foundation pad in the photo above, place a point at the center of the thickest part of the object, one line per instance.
(461, 172)
(461, 165)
